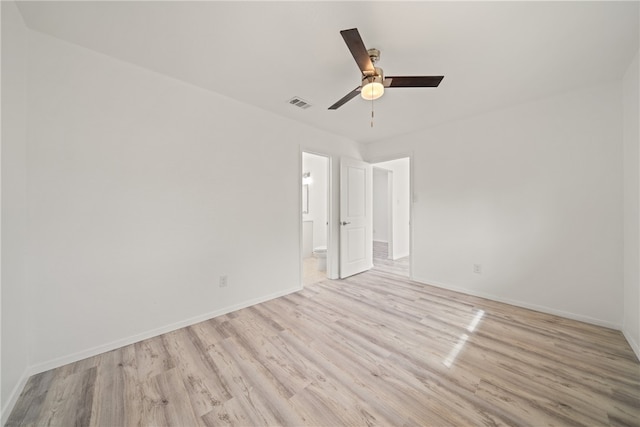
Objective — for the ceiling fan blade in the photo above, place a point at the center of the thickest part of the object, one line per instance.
(356, 46)
(348, 97)
(412, 81)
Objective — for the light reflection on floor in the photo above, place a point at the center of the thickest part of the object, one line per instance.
(453, 354)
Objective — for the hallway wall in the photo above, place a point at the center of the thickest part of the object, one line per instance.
(401, 205)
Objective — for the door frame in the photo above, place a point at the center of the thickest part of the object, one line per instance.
(331, 253)
(412, 196)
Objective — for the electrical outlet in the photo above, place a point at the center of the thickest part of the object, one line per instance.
(223, 281)
(477, 268)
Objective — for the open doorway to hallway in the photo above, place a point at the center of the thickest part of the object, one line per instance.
(315, 217)
(392, 216)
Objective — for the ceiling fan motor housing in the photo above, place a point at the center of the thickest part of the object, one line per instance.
(374, 55)
(376, 73)
(377, 77)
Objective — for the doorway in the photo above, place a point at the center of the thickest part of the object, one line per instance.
(315, 217)
(392, 216)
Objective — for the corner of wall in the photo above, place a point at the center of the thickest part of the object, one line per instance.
(14, 346)
(5, 411)
(631, 201)
(635, 346)
(363, 149)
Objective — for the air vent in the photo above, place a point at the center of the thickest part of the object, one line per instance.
(299, 102)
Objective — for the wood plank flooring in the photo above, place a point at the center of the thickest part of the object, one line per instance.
(382, 262)
(374, 349)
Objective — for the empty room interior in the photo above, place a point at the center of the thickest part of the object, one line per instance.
(320, 213)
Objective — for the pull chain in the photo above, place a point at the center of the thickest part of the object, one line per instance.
(371, 112)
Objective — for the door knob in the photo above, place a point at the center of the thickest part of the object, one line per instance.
(345, 223)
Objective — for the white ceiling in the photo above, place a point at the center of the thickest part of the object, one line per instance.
(492, 54)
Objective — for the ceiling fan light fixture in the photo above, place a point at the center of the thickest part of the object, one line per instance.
(373, 81)
(372, 88)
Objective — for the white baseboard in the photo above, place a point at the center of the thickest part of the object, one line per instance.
(540, 308)
(13, 396)
(400, 255)
(634, 345)
(60, 361)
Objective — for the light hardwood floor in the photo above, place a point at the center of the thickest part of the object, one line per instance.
(374, 349)
(382, 262)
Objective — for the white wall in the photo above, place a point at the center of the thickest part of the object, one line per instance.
(631, 135)
(143, 191)
(533, 193)
(381, 205)
(317, 166)
(401, 205)
(15, 309)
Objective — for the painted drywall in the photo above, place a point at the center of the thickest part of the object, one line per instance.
(381, 205)
(317, 166)
(144, 190)
(533, 194)
(15, 309)
(631, 137)
(401, 205)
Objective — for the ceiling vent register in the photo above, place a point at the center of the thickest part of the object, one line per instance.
(299, 102)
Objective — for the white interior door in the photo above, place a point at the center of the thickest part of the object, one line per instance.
(356, 219)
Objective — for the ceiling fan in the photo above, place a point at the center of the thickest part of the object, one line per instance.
(373, 80)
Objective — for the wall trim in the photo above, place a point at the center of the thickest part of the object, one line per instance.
(522, 304)
(94, 351)
(13, 396)
(401, 255)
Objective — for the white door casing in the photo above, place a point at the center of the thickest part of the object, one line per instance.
(356, 219)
